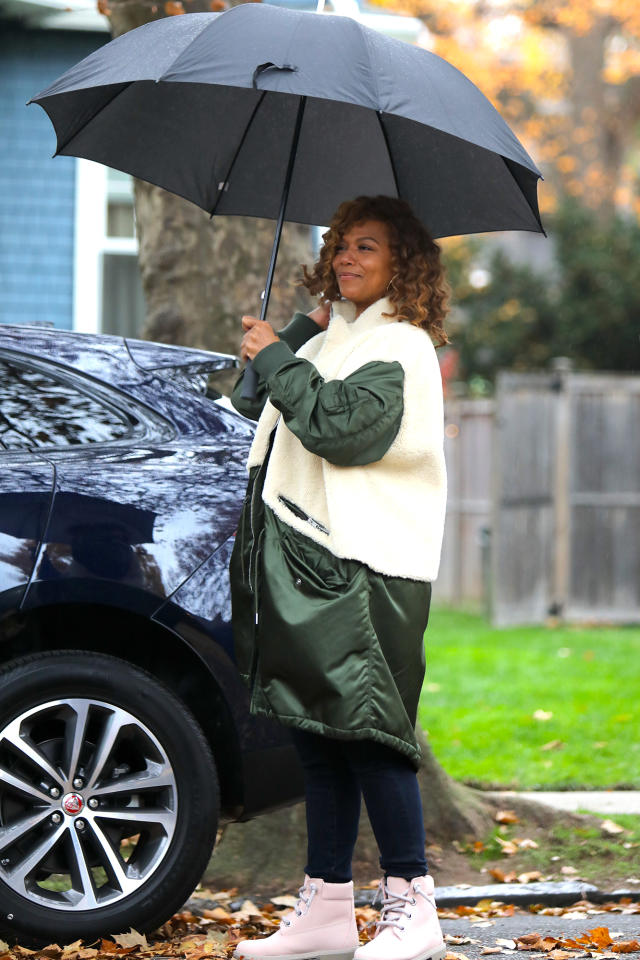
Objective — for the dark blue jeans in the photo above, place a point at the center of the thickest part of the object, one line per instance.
(337, 773)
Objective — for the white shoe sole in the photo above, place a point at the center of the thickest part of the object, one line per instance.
(438, 954)
(318, 955)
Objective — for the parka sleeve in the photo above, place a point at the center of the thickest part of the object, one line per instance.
(300, 329)
(349, 422)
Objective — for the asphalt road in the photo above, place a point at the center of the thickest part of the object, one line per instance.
(485, 933)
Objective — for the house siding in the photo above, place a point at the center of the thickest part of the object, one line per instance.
(37, 194)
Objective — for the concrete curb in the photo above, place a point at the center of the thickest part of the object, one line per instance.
(550, 894)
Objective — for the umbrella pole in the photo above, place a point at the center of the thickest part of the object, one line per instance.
(250, 381)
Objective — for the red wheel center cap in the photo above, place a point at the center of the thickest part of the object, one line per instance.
(73, 803)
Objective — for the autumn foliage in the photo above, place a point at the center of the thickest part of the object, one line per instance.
(565, 74)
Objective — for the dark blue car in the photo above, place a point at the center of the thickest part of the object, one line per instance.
(125, 734)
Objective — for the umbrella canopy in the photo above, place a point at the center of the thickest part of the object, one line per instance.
(206, 105)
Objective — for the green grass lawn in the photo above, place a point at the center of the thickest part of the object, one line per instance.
(483, 686)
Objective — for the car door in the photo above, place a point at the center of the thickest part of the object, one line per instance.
(139, 500)
(26, 488)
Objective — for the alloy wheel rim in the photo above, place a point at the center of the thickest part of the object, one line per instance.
(88, 804)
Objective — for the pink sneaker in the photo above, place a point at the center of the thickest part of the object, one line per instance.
(323, 924)
(408, 928)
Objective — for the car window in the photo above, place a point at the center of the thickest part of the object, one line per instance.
(39, 410)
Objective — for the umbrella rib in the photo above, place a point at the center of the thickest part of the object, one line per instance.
(88, 120)
(389, 154)
(222, 186)
(507, 162)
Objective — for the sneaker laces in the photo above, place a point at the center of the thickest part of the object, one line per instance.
(312, 889)
(392, 905)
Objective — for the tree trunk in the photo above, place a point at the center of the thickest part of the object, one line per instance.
(268, 854)
(601, 121)
(200, 275)
(595, 131)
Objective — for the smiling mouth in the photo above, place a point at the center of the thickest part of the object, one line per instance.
(348, 276)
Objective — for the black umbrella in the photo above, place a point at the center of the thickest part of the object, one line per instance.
(267, 112)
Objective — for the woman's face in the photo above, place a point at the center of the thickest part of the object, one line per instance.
(363, 263)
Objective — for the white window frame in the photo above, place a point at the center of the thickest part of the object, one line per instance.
(91, 243)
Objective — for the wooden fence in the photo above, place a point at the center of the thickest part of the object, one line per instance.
(544, 499)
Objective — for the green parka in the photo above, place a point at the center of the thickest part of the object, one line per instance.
(325, 644)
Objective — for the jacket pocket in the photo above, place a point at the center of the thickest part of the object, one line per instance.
(302, 514)
(316, 632)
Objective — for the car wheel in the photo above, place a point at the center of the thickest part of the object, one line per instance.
(109, 799)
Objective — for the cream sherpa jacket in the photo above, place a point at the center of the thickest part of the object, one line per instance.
(388, 514)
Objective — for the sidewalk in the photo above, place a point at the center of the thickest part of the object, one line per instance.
(593, 801)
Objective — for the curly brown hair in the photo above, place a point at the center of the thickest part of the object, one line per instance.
(419, 290)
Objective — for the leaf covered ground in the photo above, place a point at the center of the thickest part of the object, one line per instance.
(211, 933)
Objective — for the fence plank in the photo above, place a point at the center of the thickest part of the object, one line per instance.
(604, 495)
(552, 467)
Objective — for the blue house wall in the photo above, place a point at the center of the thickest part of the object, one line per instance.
(37, 194)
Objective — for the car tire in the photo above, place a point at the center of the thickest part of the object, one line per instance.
(109, 799)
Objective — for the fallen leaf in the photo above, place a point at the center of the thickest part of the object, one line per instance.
(506, 816)
(491, 950)
(498, 874)
(107, 946)
(527, 844)
(568, 871)
(530, 877)
(456, 941)
(626, 946)
(71, 948)
(288, 901)
(550, 943)
(600, 936)
(529, 941)
(560, 954)
(219, 914)
(507, 847)
(131, 939)
(173, 8)
(553, 745)
(610, 827)
(216, 936)
(247, 910)
(503, 942)
(542, 715)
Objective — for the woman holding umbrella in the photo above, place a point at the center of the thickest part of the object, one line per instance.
(331, 573)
